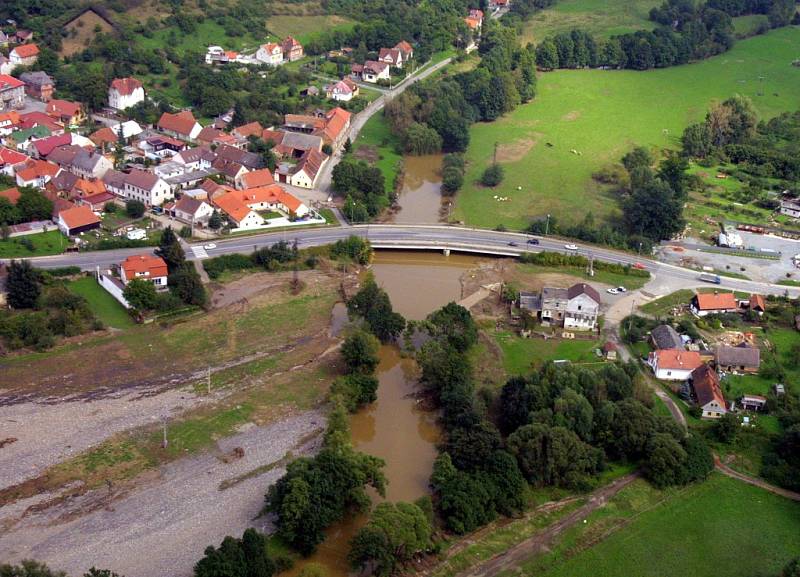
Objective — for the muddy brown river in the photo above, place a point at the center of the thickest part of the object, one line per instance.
(420, 198)
(393, 427)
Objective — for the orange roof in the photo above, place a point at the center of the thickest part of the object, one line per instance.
(125, 86)
(269, 194)
(180, 123)
(232, 206)
(12, 194)
(337, 120)
(715, 301)
(472, 22)
(78, 216)
(11, 117)
(249, 129)
(258, 178)
(271, 46)
(7, 81)
(103, 136)
(89, 187)
(758, 302)
(404, 47)
(231, 54)
(11, 157)
(677, 359)
(62, 108)
(26, 50)
(144, 264)
(36, 168)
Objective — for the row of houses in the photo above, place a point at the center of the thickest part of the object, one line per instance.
(373, 71)
(275, 54)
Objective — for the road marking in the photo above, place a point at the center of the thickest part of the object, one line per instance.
(199, 252)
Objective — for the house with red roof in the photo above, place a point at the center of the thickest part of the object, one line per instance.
(673, 364)
(66, 112)
(255, 179)
(125, 92)
(391, 56)
(343, 91)
(292, 49)
(33, 119)
(23, 55)
(8, 122)
(708, 392)
(713, 303)
(305, 172)
(36, 173)
(270, 53)
(180, 125)
(12, 93)
(9, 159)
(246, 130)
(144, 267)
(77, 219)
(406, 49)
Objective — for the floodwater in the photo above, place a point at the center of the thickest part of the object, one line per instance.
(394, 428)
(420, 198)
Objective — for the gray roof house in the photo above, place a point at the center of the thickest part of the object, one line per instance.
(665, 337)
(741, 358)
(574, 308)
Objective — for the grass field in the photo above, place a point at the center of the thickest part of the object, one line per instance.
(377, 145)
(208, 33)
(602, 114)
(103, 305)
(520, 356)
(630, 282)
(303, 28)
(599, 17)
(44, 244)
(720, 527)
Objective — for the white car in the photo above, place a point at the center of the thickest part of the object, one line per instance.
(571, 247)
(612, 291)
(621, 289)
(209, 246)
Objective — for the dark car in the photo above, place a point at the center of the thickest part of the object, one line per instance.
(533, 241)
(512, 243)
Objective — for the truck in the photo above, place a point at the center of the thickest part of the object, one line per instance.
(712, 278)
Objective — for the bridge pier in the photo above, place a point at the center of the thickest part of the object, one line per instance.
(446, 251)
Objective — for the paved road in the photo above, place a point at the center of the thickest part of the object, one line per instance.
(421, 236)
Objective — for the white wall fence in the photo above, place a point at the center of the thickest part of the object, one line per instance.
(113, 286)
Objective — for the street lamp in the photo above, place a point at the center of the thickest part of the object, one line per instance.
(547, 226)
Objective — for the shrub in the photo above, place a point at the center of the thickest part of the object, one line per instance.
(110, 207)
(493, 175)
(134, 208)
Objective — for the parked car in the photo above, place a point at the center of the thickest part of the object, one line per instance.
(612, 291)
(209, 246)
(571, 247)
(533, 241)
(622, 289)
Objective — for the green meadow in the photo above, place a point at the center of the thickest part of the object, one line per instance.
(719, 527)
(583, 120)
(599, 17)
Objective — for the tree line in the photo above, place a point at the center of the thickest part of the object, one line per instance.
(685, 32)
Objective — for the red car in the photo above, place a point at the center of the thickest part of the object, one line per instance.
(639, 265)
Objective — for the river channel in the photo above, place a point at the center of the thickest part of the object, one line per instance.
(420, 198)
(394, 428)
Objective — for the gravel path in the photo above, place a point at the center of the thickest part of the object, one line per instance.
(48, 433)
(161, 528)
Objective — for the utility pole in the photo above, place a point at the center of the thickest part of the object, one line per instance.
(590, 271)
(164, 443)
(208, 379)
(547, 226)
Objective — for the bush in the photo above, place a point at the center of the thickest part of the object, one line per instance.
(110, 207)
(232, 262)
(493, 175)
(134, 208)
(352, 248)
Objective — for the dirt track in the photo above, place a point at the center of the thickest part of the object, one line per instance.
(725, 470)
(543, 540)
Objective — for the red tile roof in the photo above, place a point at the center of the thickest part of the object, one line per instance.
(31, 119)
(125, 86)
(36, 168)
(180, 123)
(26, 50)
(7, 82)
(249, 129)
(679, 360)
(404, 47)
(11, 157)
(706, 386)
(79, 216)
(257, 178)
(142, 264)
(103, 136)
(337, 120)
(45, 146)
(62, 108)
(758, 302)
(12, 194)
(232, 206)
(715, 301)
(269, 194)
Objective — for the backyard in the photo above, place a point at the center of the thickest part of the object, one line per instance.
(378, 146)
(521, 356)
(103, 305)
(719, 527)
(583, 120)
(41, 244)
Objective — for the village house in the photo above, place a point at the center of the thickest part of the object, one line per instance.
(218, 55)
(23, 36)
(38, 85)
(576, 307)
(288, 144)
(270, 53)
(756, 303)
(9, 159)
(672, 364)
(192, 211)
(343, 91)
(292, 49)
(753, 402)
(89, 165)
(405, 49)
(97, 199)
(391, 56)
(247, 130)
(5, 64)
(790, 207)
(200, 158)
(37, 118)
(739, 359)
(36, 173)
(250, 160)
(255, 179)
(24, 55)
(331, 126)
(8, 122)
(12, 92)
(66, 112)
(77, 219)
(303, 174)
(707, 392)
(180, 125)
(107, 137)
(139, 185)
(125, 92)
(371, 71)
(665, 337)
(713, 303)
(144, 267)
(11, 195)
(231, 171)
(238, 213)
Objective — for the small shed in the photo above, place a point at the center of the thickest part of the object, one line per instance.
(610, 351)
(753, 402)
